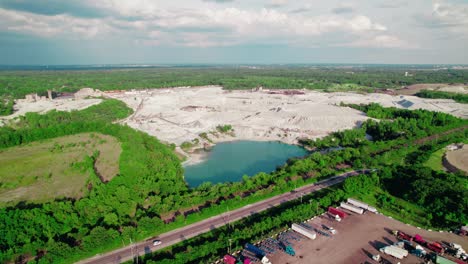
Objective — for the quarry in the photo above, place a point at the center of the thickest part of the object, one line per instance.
(191, 115)
(186, 114)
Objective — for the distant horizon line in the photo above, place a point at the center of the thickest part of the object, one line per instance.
(225, 64)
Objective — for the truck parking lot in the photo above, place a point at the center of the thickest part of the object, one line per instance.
(357, 238)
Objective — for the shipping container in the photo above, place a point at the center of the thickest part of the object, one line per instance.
(352, 208)
(335, 211)
(304, 231)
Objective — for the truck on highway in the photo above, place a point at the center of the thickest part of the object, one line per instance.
(304, 231)
(352, 208)
(336, 212)
(394, 251)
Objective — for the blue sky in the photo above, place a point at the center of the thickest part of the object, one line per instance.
(233, 31)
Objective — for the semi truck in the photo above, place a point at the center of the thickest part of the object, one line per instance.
(352, 208)
(394, 251)
(436, 247)
(336, 212)
(419, 239)
(228, 259)
(403, 236)
(304, 231)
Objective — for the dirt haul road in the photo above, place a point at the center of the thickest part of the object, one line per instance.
(175, 236)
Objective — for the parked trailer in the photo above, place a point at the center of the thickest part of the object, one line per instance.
(255, 250)
(358, 203)
(228, 259)
(352, 208)
(401, 250)
(304, 231)
(441, 260)
(372, 209)
(335, 211)
(394, 252)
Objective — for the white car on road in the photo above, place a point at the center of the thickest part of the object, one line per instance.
(157, 242)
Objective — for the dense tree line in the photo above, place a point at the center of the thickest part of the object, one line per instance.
(19, 83)
(458, 97)
(443, 196)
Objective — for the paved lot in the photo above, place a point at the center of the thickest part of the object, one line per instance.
(357, 238)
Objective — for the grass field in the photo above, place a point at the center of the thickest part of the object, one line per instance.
(435, 160)
(44, 170)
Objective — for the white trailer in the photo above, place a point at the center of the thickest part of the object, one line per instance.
(352, 208)
(371, 209)
(362, 205)
(358, 203)
(303, 231)
(394, 252)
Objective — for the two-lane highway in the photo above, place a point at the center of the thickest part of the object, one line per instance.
(177, 235)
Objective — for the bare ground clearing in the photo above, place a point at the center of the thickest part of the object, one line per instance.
(43, 170)
(22, 106)
(443, 87)
(358, 238)
(458, 158)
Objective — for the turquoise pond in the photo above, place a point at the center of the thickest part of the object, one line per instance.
(229, 161)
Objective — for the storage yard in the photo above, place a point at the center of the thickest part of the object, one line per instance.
(354, 238)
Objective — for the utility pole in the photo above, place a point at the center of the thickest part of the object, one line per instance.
(227, 216)
(131, 248)
(134, 251)
(301, 197)
(230, 240)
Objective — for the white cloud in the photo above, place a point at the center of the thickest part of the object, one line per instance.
(381, 41)
(452, 16)
(277, 3)
(48, 26)
(146, 22)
